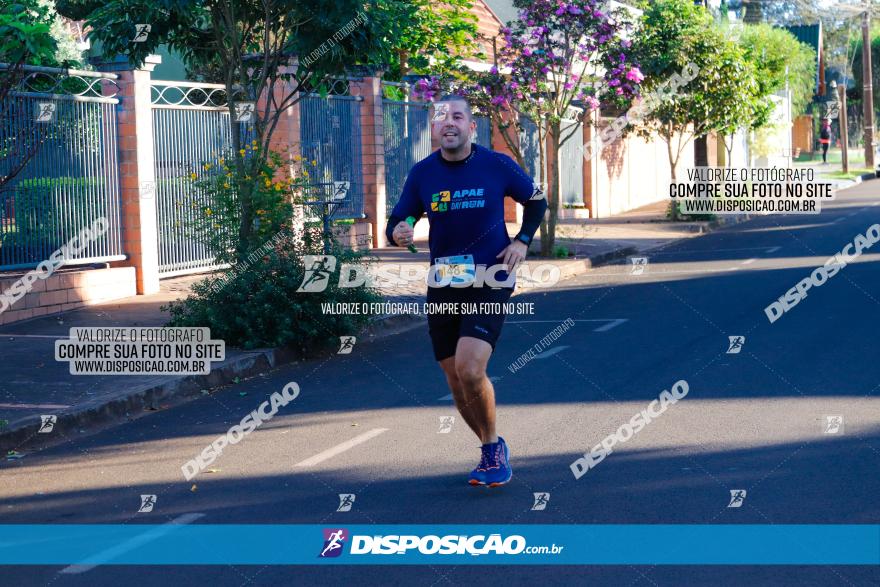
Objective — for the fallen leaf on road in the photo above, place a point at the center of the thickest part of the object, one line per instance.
(193, 488)
(212, 471)
(13, 454)
(353, 425)
(243, 393)
(236, 380)
(3, 423)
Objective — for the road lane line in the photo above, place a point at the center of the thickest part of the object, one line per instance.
(341, 448)
(34, 406)
(564, 319)
(551, 352)
(130, 544)
(13, 335)
(611, 324)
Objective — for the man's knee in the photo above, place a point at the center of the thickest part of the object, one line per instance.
(470, 372)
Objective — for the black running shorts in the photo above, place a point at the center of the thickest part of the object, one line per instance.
(458, 318)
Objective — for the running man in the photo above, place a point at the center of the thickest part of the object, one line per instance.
(462, 187)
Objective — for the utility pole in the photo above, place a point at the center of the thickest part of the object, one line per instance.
(867, 90)
(844, 134)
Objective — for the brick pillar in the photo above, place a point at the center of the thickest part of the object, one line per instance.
(512, 210)
(137, 175)
(373, 152)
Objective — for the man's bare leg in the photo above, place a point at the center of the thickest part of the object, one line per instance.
(477, 394)
(455, 385)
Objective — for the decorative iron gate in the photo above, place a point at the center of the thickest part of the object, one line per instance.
(58, 150)
(407, 141)
(330, 137)
(191, 126)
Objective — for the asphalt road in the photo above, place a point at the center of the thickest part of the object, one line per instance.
(751, 420)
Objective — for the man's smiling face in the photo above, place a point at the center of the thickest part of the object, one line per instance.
(452, 124)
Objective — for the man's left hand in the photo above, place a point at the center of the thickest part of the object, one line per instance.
(513, 255)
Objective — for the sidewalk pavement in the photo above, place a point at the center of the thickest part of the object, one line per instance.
(823, 172)
(32, 383)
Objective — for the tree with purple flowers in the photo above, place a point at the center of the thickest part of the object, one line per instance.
(561, 59)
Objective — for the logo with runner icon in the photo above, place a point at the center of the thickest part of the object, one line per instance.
(334, 540)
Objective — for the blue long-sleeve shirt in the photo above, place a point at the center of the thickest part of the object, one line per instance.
(464, 201)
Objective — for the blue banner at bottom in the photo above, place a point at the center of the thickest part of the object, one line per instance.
(177, 543)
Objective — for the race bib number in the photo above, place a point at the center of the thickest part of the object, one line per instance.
(459, 269)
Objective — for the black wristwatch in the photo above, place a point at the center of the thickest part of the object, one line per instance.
(523, 238)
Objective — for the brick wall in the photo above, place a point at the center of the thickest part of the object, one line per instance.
(68, 290)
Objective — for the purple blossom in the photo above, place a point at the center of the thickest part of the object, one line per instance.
(635, 75)
(592, 102)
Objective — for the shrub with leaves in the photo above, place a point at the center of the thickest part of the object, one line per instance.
(278, 188)
(259, 305)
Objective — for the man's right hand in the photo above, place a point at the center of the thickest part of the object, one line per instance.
(403, 234)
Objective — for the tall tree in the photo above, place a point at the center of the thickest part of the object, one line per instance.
(428, 36)
(556, 56)
(254, 43)
(25, 39)
(780, 60)
(676, 36)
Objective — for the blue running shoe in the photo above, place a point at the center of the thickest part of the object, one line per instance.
(494, 468)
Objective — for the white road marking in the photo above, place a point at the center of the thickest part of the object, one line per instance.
(748, 261)
(34, 406)
(341, 448)
(610, 322)
(551, 352)
(37, 336)
(130, 544)
(707, 250)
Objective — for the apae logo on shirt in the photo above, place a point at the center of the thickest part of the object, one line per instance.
(459, 200)
(440, 201)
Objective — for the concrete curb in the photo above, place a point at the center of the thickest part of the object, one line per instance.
(134, 403)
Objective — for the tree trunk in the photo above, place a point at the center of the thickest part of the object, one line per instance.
(672, 162)
(701, 151)
(403, 56)
(542, 175)
(548, 241)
